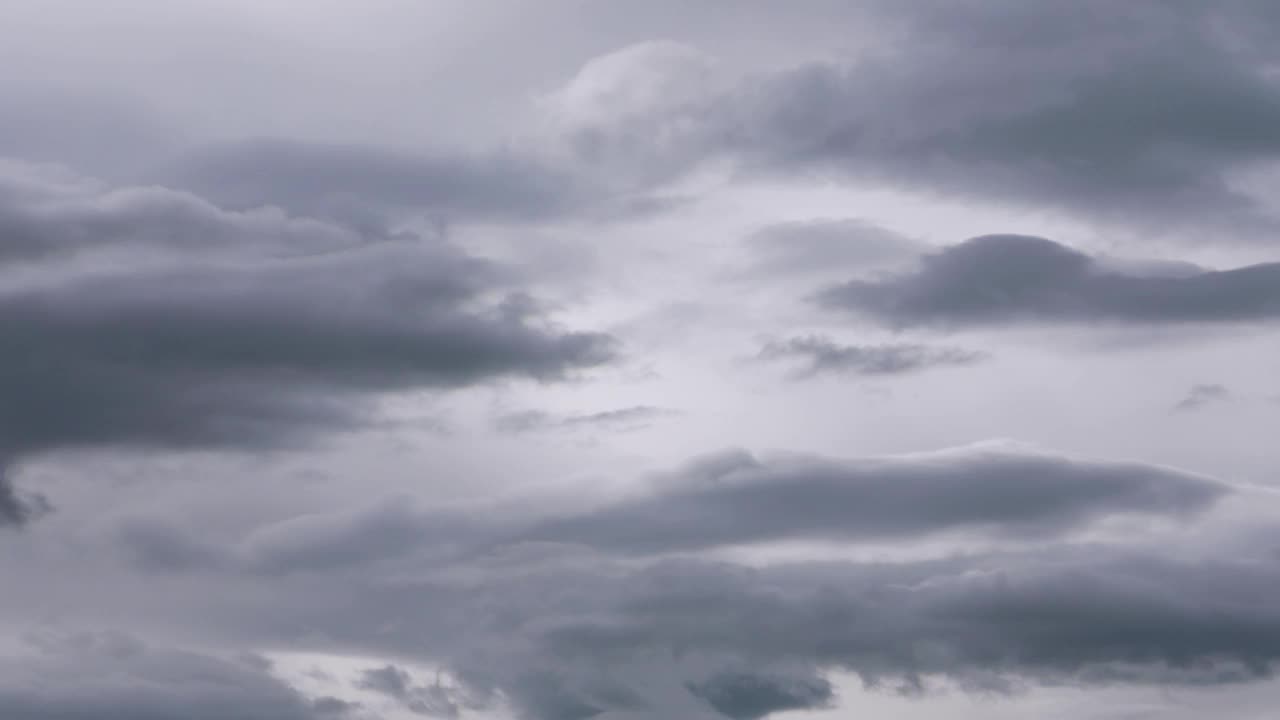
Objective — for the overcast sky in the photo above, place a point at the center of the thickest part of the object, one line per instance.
(652, 360)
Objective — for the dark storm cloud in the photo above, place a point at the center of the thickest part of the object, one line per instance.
(821, 355)
(1201, 395)
(113, 677)
(231, 331)
(368, 184)
(621, 419)
(735, 498)
(1143, 114)
(1008, 279)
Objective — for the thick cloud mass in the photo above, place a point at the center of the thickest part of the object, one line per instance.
(229, 331)
(1139, 115)
(1005, 279)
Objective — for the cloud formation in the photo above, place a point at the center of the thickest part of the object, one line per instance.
(242, 330)
(108, 676)
(1200, 395)
(1013, 279)
(821, 355)
(1142, 115)
(734, 498)
(621, 419)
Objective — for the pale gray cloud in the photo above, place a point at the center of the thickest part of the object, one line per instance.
(1201, 395)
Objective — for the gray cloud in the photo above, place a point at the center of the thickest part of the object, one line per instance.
(821, 355)
(430, 700)
(224, 333)
(735, 498)
(558, 633)
(1004, 279)
(1142, 115)
(112, 677)
(574, 618)
(1059, 617)
(1200, 395)
(621, 419)
(47, 211)
(750, 695)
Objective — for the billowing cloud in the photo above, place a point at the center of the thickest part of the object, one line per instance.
(1145, 115)
(586, 613)
(1010, 279)
(235, 329)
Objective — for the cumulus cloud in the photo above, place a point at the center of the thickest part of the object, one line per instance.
(230, 331)
(1009, 279)
(822, 355)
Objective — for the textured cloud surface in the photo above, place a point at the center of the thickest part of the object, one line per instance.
(394, 360)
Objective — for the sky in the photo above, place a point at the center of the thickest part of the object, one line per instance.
(568, 360)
